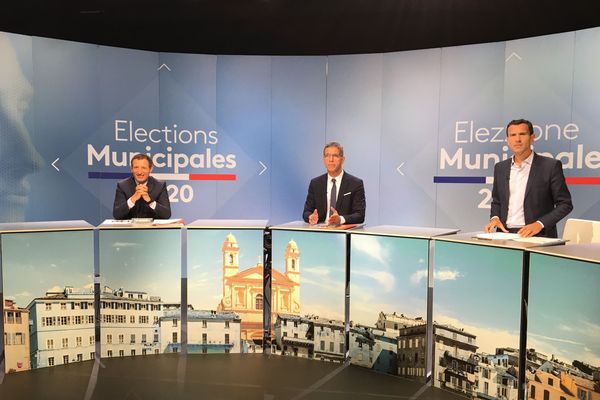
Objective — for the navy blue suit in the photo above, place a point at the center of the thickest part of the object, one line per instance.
(350, 203)
(547, 197)
(157, 190)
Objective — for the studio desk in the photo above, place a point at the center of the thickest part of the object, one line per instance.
(424, 303)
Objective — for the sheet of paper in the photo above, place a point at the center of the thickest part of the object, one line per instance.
(497, 236)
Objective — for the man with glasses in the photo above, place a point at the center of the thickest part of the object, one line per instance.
(336, 197)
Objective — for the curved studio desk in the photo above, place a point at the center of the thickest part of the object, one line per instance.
(473, 293)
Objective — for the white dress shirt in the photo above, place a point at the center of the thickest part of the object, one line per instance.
(338, 182)
(519, 175)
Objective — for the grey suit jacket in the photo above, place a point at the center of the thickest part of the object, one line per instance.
(157, 190)
(350, 203)
(547, 197)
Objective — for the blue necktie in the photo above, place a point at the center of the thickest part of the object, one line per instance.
(333, 195)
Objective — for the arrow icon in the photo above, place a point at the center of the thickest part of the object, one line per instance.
(398, 169)
(53, 164)
(164, 65)
(263, 166)
(513, 54)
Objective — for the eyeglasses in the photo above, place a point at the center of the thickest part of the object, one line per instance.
(327, 155)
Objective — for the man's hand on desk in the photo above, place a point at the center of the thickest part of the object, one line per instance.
(313, 218)
(530, 230)
(494, 223)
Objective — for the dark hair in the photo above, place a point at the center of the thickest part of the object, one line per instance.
(142, 156)
(336, 145)
(519, 122)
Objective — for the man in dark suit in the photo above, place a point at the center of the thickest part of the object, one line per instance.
(140, 195)
(530, 194)
(336, 197)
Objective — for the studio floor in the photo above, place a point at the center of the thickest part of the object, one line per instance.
(235, 376)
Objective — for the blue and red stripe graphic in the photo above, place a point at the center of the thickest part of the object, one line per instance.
(166, 177)
(488, 180)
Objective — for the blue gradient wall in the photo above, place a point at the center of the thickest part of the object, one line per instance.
(404, 118)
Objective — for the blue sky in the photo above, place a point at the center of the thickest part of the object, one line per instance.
(388, 274)
(322, 270)
(33, 263)
(478, 288)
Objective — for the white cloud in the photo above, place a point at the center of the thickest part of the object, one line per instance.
(443, 275)
(319, 271)
(53, 265)
(24, 294)
(124, 244)
(370, 246)
(554, 339)
(56, 289)
(416, 277)
(383, 278)
(446, 275)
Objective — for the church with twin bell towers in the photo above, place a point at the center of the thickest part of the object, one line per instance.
(243, 290)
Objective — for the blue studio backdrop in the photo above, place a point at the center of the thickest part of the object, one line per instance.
(241, 136)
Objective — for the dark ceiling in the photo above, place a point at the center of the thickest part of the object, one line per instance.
(298, 27)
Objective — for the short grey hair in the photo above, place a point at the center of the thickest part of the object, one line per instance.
(336, 145)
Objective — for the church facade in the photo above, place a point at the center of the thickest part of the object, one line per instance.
(243, 289)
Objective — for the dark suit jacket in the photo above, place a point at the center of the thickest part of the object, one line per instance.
(350, 204)
(157, 190)
(547, 198)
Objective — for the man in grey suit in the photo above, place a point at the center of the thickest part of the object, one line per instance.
(530, 194)
(140, 195)
(336, 197)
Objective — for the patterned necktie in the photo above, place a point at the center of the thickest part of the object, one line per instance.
(333, 195)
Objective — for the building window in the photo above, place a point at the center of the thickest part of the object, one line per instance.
(259, 302)
(342, 348)
(143, 352)
(78, 344)
(532, 390)
(50, 344)
(143, 338)
(79, 357)
(65, 360)
(174, 337)
(92, 340)
(547, 395)
(227, 338)
(121, 339)
(109, 339)
(226, 324)
(133, 352)
(121, 353)
(132, 319)
(49, 308)
(204, 338)
(65, 343)
(322, 345)
(204, 350)
(132, 340)
(204, 324)
(63, 306)
(174, 323)
(550, 382)
(50, 361)
(109, 353)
